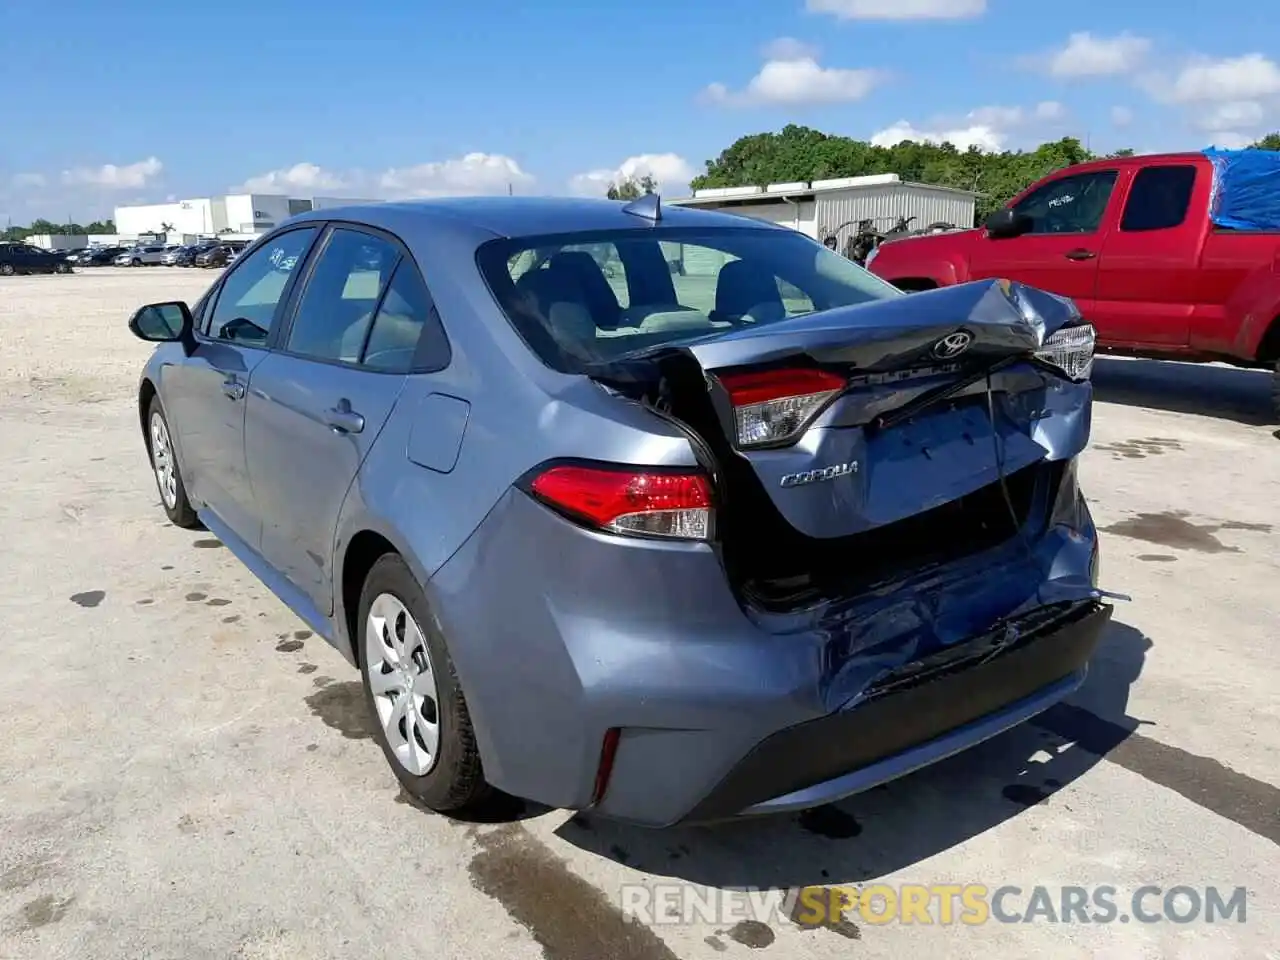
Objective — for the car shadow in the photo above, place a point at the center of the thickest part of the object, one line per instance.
(1209, 390)
(904, 822)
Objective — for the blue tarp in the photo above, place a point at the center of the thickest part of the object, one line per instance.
(1246, 189)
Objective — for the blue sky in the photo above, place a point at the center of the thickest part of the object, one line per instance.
(132, 101)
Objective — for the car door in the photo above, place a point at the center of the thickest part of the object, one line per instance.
(317, 404)
(1149, 279)
(1059, 253)
(205, 393)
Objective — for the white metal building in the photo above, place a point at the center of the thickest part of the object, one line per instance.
(241, 215)
(824, 207)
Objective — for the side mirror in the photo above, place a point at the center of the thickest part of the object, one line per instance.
(163, 323)
(1006, 224)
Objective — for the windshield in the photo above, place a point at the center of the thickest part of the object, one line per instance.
(582, 299)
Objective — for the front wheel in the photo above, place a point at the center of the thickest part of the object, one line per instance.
(63, 268)
(164, 464)
(6, 270)
(413, 693)
(135, 262)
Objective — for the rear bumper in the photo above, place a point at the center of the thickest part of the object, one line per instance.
(890, 735)
(559, 634)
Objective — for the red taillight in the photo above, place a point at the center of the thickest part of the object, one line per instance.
(608, 752)
(772, 406)
(656, 503)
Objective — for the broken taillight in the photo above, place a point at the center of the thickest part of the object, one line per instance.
(773, 406)
(651, 502)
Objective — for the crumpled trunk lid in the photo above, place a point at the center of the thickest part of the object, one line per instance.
(943, 399)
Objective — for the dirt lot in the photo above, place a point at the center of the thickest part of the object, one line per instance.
(185, 772)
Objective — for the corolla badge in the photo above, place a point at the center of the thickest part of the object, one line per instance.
(815, 476)
(952, 345)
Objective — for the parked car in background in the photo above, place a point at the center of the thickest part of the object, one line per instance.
(219, 255)
(17, 257)
(181, 256)
(141, 256)
(809, 533)
(1168, 256)
(99, 256)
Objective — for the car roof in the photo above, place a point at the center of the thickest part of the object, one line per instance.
(526, 216)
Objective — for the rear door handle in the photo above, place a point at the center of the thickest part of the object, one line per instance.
(1080, 254)
(342, 419)
(233, 389)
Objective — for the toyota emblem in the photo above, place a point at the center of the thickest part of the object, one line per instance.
(952, 345)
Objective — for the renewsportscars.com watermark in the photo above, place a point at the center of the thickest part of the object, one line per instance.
(942, 904)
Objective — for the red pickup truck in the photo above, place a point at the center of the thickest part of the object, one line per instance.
(1172, 256)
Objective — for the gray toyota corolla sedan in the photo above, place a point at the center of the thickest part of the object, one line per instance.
(672, 515)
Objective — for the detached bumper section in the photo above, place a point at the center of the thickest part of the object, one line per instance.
(911, 720)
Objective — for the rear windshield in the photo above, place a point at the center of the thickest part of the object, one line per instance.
(585, 298)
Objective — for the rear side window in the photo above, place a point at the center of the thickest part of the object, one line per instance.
(405, 318)
(341, 295)
(1159, 198)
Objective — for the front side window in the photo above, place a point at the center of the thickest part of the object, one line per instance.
(1069, 204)
(342, 293)
(670, 284)
(251, 293)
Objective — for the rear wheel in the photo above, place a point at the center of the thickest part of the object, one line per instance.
(6, 270)
(63, 268)
(135, 262)
(164, 464)
(412, 690)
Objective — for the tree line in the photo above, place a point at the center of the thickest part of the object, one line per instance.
(42, 227)
(803, 154)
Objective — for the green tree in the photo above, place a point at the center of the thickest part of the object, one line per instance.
(798, 153)
(631, 188)
(1270, 142)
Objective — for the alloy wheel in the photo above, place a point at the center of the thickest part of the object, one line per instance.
(162, 461)
(403, 683)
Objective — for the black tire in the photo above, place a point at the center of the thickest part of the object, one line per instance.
(455, 782)
(135, 262)
(180, 513)
(63, 268)
(1275, 392)
(6, 270)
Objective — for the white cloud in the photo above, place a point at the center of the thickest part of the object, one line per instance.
(1121, 117)
(299, 178)
(789, 48)
(1235, 115)
(1231, 140)
(672, 172)
(986, 128)
(1248, 77)
(474, 173)
(792, 76)
(1085, 55)
(111, 177)
(982, 136)
(899, 9)
(26, 181)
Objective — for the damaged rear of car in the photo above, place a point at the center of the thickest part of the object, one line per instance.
(877, 555)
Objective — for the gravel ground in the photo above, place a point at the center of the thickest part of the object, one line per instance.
(185, 772)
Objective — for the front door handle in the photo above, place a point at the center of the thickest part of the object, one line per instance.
(342, 419)
(1080, 254)
(233, 389)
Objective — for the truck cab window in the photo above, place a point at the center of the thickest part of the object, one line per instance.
(1070, 204)
(1159, 198)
